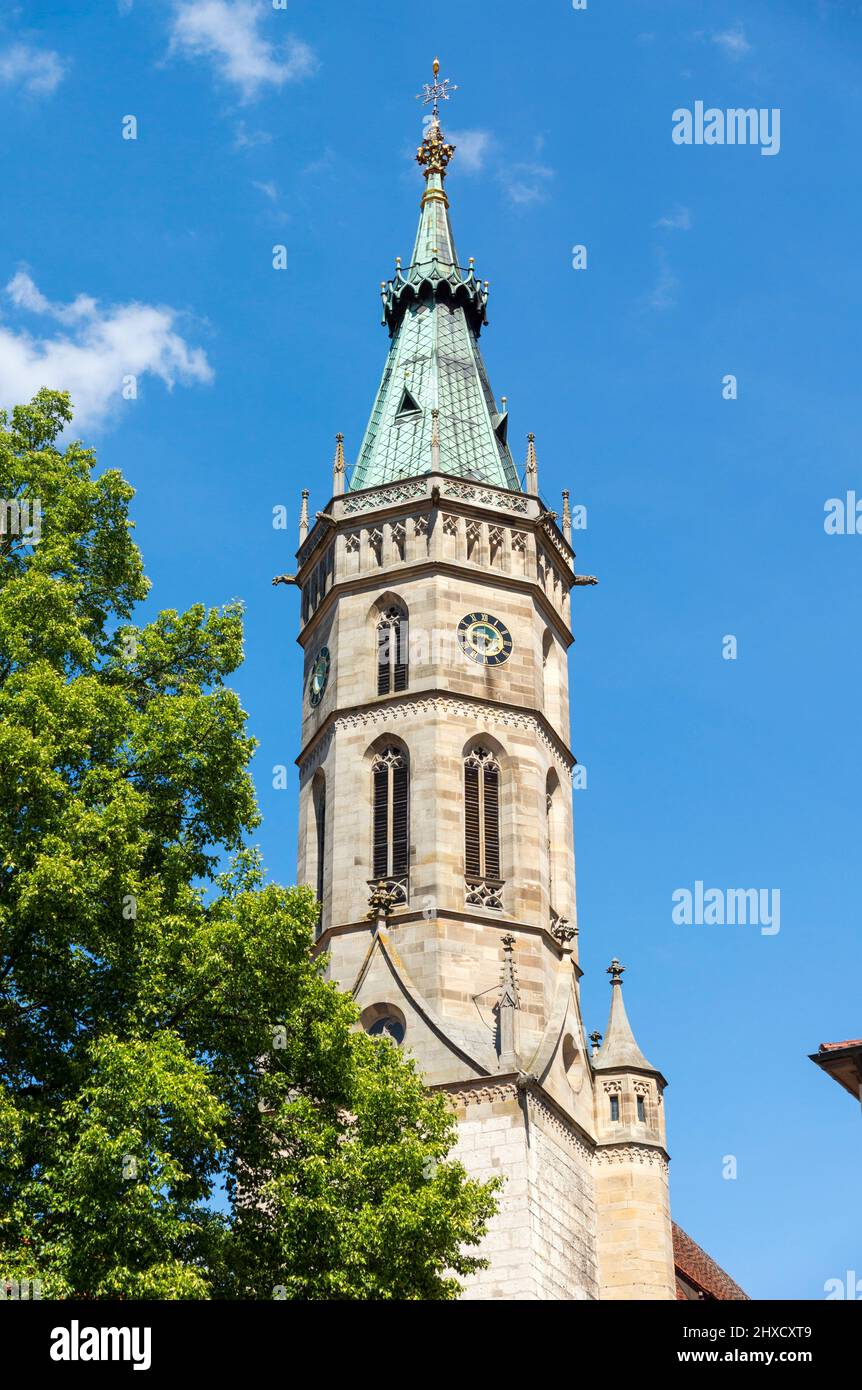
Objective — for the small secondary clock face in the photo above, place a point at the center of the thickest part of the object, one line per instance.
(319, 676)
(485, 639)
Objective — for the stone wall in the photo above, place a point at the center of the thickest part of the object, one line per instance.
(541, 1243)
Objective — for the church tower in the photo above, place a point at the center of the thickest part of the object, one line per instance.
(435, 816)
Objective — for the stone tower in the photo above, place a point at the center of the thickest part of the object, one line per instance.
(435, 816)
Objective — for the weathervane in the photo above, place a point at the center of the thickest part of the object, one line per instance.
(434, 153)
(434, 92)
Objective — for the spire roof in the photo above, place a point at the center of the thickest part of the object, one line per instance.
(434, 309)
(619, 1048)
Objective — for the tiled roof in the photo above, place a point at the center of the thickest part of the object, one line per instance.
(698, 1269)
(843, 1062)
(434, 308)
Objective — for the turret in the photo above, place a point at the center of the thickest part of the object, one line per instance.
(635, 1243)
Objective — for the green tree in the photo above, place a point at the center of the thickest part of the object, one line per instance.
(164, 1027)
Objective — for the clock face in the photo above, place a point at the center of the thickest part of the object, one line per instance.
(485, 639)
(319, 676)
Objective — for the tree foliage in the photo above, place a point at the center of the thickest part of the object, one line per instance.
(164, 1029)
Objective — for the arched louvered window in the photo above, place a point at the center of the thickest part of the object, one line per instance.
(482, 816)
(320, 808)
(392, 652)
(391, 832)
(549, 820)
(555, 836)
(317, 839)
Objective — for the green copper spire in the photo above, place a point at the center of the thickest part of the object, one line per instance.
(434, 309)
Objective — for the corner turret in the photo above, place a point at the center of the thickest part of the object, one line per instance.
(635, 1240)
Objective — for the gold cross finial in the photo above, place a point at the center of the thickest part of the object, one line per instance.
(434, 153)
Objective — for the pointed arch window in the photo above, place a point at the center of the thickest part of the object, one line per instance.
(482, 828)
(321, 841)
(317, 839)
(391, 847)
(392, 667)
(555, 839)
(549, 821)
(551, 680)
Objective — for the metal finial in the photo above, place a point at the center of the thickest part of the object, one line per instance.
(435, 441)
(434, 92)
(434, 153)
(615, 970)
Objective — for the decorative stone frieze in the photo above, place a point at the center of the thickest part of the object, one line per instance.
(641, 1154)
(383, 497)
(503, 716)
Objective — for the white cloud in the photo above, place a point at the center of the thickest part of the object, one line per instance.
(477, 151)
(663, 293)
(471, 148)
(101, 346)
(38, 70)
(733, 41)
(228, 32)
(323, 164)
(25, 294)
(526, 183)
(247, 139)
(268, 188)
(677, 221)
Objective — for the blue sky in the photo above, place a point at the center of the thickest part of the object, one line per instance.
(705, 516)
